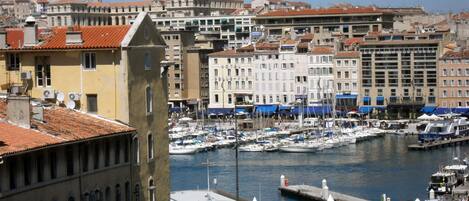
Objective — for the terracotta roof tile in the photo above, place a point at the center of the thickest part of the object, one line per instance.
(267, 46)
(322, 50)
(352, 41)
(347, 54)
(229, 53)
(327, 11)
(303, 45)
(94, 37)
(456, 55)
(60, 125)
(120, 4)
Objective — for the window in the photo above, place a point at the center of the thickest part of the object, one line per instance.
(216, 98)
(89, 60)
(13, 174)
(96, 156)
(40, 167)
(69, 160)
(229, 99)
(13, 61)
(85, 158)
(92, 103)
(136, 150)
(117, 152)
(107, 153)
(108, 194)
(118, 192)
(53, 164)
(127, 191)
(43, 77)
(149, 100)
(151, 190)
(150, 146)
(27, 170)
(147, 60)
(215, 61)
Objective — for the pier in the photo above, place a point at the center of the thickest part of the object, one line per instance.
(311, 193)
(439, 144)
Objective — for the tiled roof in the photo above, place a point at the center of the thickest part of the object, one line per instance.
(94, 37)
(60, 125)
(327, 11)
(351, 41)
(322, 50)
(456, 55)
(347, 54)
(229, 53)
(267, 46)
(461, 16)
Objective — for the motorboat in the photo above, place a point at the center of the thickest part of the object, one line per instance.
(461, 172)
(300, 148)
(182, 150)
(445, 129)
(443, 182)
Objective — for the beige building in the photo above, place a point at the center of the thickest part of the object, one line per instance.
(112, 71)
(346, 80)
(453, 80)
(78, 12)
(188, 8)
(61, 154)
(398, 73)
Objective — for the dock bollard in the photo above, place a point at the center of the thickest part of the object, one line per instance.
(431, 194)
(324, 183)
(325, 192)
(417, 199)
(282, 181)
(383, 197)
(388, 199)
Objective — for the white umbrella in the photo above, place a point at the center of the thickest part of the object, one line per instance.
(424, 117)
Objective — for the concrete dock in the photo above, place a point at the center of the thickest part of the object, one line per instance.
(439, 144)
(311, 193)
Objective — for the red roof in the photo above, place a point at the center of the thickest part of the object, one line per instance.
(347, 54)
(327, 11)
(351, 41)
(94, 37)
(464, 54)
(322, 50)
(120, 4)
(60, 125)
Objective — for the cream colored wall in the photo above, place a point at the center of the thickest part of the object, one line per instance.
(68, 76)
(192, 75)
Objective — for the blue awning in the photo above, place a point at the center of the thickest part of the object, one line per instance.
(365, 109)
(366, 99)
(380, 108)
(346, 96)
(461, 110)
(380, 98)
(313, 110)
(175, 109)
(266, 109)
(428, 109)
(285, 107)
(240, 110)
(442, 110)
(219, 111)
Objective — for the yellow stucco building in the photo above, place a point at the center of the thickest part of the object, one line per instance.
(112, 71)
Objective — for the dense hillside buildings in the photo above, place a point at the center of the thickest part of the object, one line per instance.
(112, 71)
(61, 154)
(453, 80)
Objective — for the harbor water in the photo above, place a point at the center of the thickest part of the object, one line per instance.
(365, 170)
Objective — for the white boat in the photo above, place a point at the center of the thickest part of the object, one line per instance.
(182, 150)
(300, 148)
(251, 148)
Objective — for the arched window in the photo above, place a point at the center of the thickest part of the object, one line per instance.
(137, 192)
(149, 99)
(136, 150)
(127, 191)
(151, 190)
(117, 21)
(150, 146)
(108, 194)
(118, 192)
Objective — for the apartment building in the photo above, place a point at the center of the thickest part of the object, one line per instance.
(320, 76)
(235, 28)
(230, 80)
(178, 42)
(61, 154)
(111, 71)
(326, 23)
(398, 73)
(92, 13)
(346, 80)
(279, 4)
(453, 80)
(192, 8)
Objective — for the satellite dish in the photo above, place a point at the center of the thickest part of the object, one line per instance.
(71, 104)
(60, 96)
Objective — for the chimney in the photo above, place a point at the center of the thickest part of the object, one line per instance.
(73, 37)
(30, 32)
(3, 38)
(19, 111)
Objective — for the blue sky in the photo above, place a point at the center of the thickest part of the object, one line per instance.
(429, 5)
